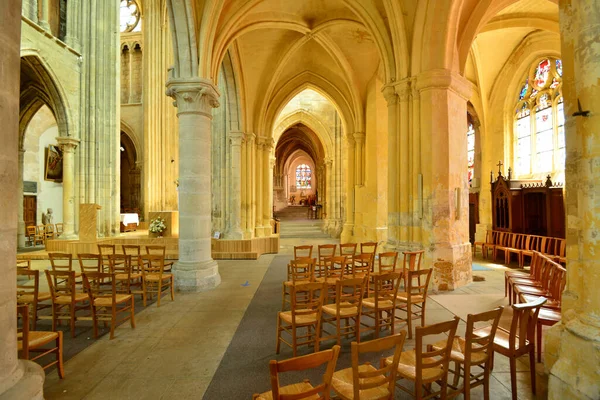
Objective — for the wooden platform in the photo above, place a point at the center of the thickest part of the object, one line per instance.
(222, 249)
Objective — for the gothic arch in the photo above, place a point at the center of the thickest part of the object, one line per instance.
(312, 122)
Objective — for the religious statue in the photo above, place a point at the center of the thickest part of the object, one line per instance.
(47, 217)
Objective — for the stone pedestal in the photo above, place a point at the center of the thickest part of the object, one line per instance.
(171, 219)
(234, 230)
(68, 146)
(195, 98)
(88, 221)
(18, 379)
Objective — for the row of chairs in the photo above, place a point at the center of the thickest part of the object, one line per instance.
(39, 234)
(472, 357)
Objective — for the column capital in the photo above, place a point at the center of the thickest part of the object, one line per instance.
(272, 161)
(236, 138)
(67, 144)
(404, 88)
(250, 137)
(265, 142)
(390, 94)
(193, 95)
(328, 161)
(444, 79)
(359, 137)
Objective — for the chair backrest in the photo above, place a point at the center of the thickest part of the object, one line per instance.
(438, 357)
(30, 286)
(385, 287)
(418, 283)
(49, 229)
(387, 261)
(558, 280)
(368, 248)
(488, 236)
(362, 264)
(326, 250)
(475, 345)
(302, 269)
(61, 261)
(23, 313)
(349, 293)
(39, 229)
(303, 251)
(152, 264)
(89, 262)
(384, 377)
(133, 250)
(31, 230)
(522, 326)
(23, 264)
(307, 299)
(303, 363)
(348, 249)
(59, 228)
(336, 267)
(412, 260)
(121, 264)
(106, 249)
(61, 283)
(100, 285)
(156, 249)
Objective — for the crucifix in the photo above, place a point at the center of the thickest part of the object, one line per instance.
(500, 167)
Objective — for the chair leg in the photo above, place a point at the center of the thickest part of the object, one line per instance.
(294, 341)
(95, 322)
(159, 294)
(132, 318)
(59, 355)
(144, 294)
(467, 383)
(532, 368)
(486, 384)
(113, 321)
(278, 335)
(54, 312)
(72, 310)
(172, 289)
(409, 319)
(513, 377)
(538, 339)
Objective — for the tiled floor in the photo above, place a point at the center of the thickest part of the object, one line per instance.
(175, 349)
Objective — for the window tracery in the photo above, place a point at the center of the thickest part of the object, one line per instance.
(303, 177)
(130, 19)
(539, 120)
(470, 149)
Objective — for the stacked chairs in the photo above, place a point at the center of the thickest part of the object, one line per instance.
(303, 390)
(364, 381)
(305, 314)
(426, 367)
(473, 351)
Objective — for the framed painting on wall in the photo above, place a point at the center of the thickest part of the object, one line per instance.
(54, 166)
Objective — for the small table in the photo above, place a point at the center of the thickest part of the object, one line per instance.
(129, 222)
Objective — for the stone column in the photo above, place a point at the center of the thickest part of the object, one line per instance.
(445, 222)
(20, 217)
(235, 199)
(73, 21)
(244, 188)
(258, 185)
(195, 98)
(45, 14)
(19, 379)
(267, 187)
(359, 139)
(403, 165)
(572, 347)
(393, 219)
(250, 184)
(68, 146)
(348, 229)
(329, 190)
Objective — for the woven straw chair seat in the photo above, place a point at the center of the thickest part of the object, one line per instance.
(458, 351)
(408, 365)
(343, 385)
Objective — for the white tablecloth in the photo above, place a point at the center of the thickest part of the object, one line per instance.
(130, 219)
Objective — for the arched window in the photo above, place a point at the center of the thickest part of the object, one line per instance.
(470, 149)
(130, 16)
(539, 120)
(303, 176)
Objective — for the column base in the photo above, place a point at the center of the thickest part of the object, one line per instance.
(69, 236)
(347, 233)
(234, 234)
(452, 266)
(196, 276)
(575, 374)
(29, 386)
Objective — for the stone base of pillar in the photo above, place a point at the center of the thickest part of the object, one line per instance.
(29, 386)
(347, 233)
(452, 266)
(234, 234)
(68, 236)
(196, 276)
(573, 362)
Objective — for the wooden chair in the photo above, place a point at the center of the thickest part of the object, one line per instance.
(349, 294)
(106, 303)
(381, 306)
(62, 262)
(160, 250)
(89, 262)
(426, 367)
(519, 340)
(365, 381)
(520, 240)
(154, 277)
(32, 236)
(411, 262)
(65, 296)
(105, 250)
(135, 252)
(552, 277)
(40, 232)
(388, 261)
(128, 280)
(31, 341)
(336, 268)
(348, 250)
(535, 260)
(59, 229)
(23, 265)
(472, 351)
(362, 265)
(49, 232)
(488, 239)
(302, 390)
(324, 251)
(529, 247)
(28, 293)
(303, 251)
(495, 240)
(369, 248)
(299, 271)
(539, 272)
(415, 295)
(305, 313)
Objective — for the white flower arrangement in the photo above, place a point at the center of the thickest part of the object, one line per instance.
(157, 225)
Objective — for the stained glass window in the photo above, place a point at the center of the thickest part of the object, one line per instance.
(471, 152)
(303, 176)
(539, 121)
(130, 16)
